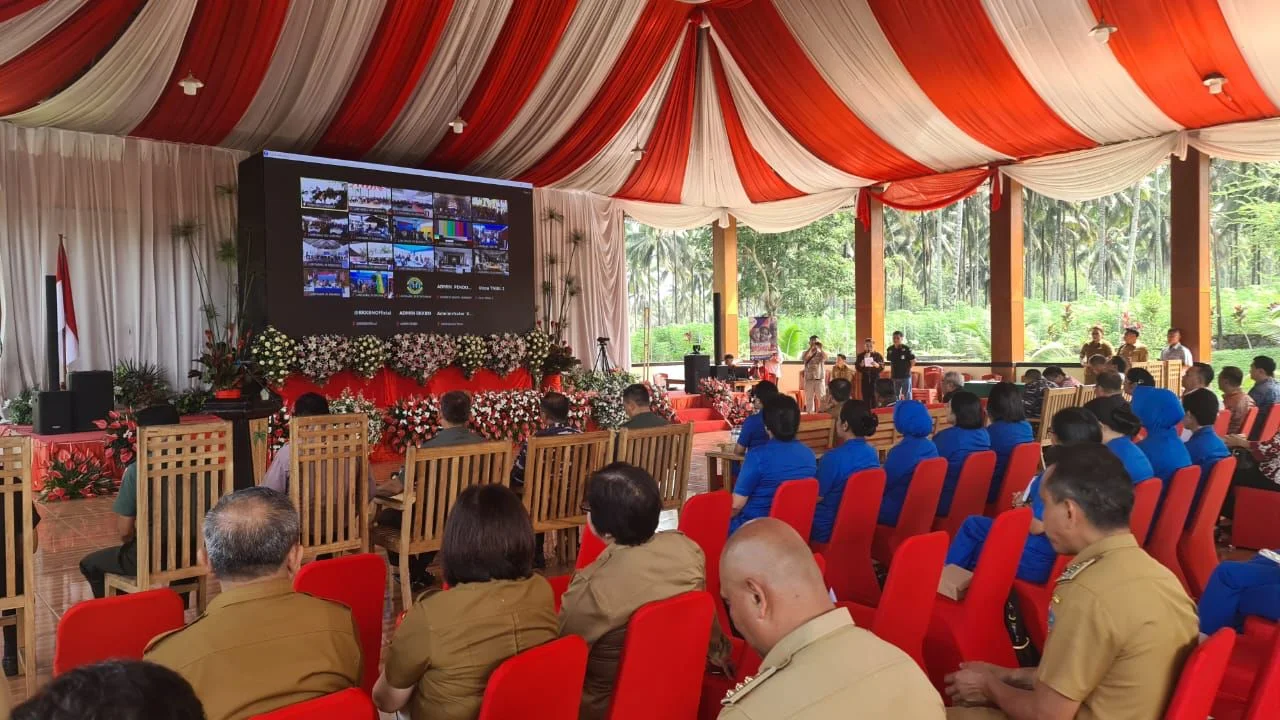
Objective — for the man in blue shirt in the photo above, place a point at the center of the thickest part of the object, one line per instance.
(781, 459)
(853, 454)
(1266, 391)
(1204, 446)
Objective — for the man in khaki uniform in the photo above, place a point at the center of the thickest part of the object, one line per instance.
(260, 646)
(1132, 350)
(817, 664)
(1120, 624)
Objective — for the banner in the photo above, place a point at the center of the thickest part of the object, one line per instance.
(764, 337)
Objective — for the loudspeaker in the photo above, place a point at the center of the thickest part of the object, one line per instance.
(52, 413)
(717, 343)
(52, 362)
(93, 396)
(696, 367)
(722, 372)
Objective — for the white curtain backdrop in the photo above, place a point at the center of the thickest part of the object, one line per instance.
(116, 201)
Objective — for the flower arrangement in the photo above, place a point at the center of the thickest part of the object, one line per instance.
(278, 429)
(411, 422)
(717, 391)
(537, 346)
(736, 411)
(720, 393)
(348, 403)
(122, 436)
(660, 402)
(369, 354)
(225, 361)
(139, 384)
(506, 415)
(471, 354)
(18, 409)
(505, 352)
(320, 357)
(75, 473)
(606, 404)
(580, 408)
(421, 355)
(274, 353)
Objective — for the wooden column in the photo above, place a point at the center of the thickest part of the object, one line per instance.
(868, 277)
(1189, 254)
(724, 280)
(1008, 329)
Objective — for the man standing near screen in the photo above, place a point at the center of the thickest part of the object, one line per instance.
(815, 360)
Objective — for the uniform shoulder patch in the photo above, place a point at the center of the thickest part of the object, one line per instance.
(741, 690)
(1075, 569)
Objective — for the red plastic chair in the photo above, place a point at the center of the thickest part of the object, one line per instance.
(849, 570)
(918, 510)
(115, 627)
(559, 583)
(902, 617)
(1197, 552)
(989, 376)
(360, 583)
(1018, 473)
(590, 548)
(1201, 676)
(1034, 598)
(1250, 687)
(970, 497)
(544, 683)
(350, 703)
(794, 503)
(1250, 417)
(1269, 426)
(1146, 495)
(1222, 423)
(705, 519)
(663, 658)
(1163, 542)
(973, 629)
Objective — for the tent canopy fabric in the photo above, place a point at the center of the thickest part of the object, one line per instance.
(714, 105)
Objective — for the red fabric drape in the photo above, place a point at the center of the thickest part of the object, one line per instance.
(14, 8)
(403, 43)
(59, 57)
(516, 63)
(387, 387)
(1168, 46)
(659, 175)
(800, 98)
(958, 59)
(761, 181)
(926, 193)
(228, 47)
(647, 49)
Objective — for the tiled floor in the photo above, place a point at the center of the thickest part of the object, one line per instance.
(70, 530)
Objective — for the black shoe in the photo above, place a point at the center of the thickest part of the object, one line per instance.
(10, 665)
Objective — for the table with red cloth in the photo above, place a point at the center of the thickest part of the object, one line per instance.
(93, 442)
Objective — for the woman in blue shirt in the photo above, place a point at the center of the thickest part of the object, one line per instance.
(912, 421)
(965, 436)
(1008, 429)
(1071, 426)
(856, 422)
(766, 467)
(1160, 412)
(1119, 425)
(753, 433)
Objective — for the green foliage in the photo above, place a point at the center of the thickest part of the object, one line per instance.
(18, 409)
(191, 400)
(139, 384)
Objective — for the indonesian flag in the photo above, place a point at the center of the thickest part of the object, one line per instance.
(66, 309)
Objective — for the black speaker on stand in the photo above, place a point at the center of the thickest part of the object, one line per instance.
(52, 408)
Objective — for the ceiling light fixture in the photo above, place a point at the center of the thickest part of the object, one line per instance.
(190, 84)
(1214, 82)
(1103, 31)
(637, 152)
(458, 125)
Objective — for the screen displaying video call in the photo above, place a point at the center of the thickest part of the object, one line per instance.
(383, 250)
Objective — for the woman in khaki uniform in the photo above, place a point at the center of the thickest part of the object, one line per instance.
(636, 568)
(449, 643)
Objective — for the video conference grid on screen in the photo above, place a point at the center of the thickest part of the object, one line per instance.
(372, 241)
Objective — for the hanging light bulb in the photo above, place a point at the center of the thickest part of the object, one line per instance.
(1214, 81)
(190, 84)
(458, 125)
(1102, 31)
(637, 152)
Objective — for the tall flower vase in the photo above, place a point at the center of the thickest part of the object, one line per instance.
(552, 382)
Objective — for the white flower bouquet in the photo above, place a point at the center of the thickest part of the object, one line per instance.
(471, 353)
(320, 357)
(506, 352)
(274, 353)
(347, 403)
(369, 354)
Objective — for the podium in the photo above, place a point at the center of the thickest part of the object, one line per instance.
(239, 413)
(696, 367)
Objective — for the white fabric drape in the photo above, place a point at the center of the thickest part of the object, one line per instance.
(711, 175)
(770, 217)
(315, 60)
(849, 48)
(116, 200)
(119, 91)
(600, 266)
(23, 31)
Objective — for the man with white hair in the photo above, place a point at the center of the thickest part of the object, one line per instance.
(952, 383)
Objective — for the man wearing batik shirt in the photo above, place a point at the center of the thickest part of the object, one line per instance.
(555, 421)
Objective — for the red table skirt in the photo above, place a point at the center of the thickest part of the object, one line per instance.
(388, 387)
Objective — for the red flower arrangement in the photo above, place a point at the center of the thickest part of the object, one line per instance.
(732, 408)
(411, 422)
(660, 402)
(278, 429)
(75, 473)
(122, 436)
(510, 416)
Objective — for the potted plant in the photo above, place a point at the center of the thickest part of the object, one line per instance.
(224, 363)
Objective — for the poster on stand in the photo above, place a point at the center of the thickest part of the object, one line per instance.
(764, 337)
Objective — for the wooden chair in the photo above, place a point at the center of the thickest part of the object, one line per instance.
(183, 470)
(433, 479)
(1084, 394)
(1173, 370)
(885, 435)
(1055, 399)
(555, 485)
(816, 434)
(329, 482)
(666, 453)
(941, 418)
(19, 545)
(260, 447)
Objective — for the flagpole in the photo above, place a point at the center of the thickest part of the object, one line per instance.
(62, 332)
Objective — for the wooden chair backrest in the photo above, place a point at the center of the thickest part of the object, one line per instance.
(1084, 394)
(941, 418)
(16, 502)
(1155, 368)
(556, 473)
(329, 481)
(816, 433)
(183, 470)
(434, 477)
(1173, 370)
(260, 447)
(666, 452)
(885, 435)
(1055, 399)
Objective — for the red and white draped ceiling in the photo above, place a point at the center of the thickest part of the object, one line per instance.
(775, 110)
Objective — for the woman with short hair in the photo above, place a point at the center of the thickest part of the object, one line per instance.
(766, 467)
(967, 435)
(854, 454)
(1008, 429)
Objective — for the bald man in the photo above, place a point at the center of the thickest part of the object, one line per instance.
(817, 664)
